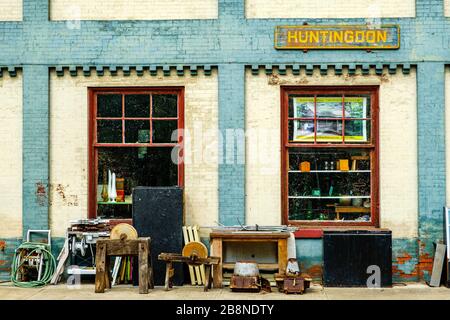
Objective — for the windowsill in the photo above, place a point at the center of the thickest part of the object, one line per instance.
(316, 232)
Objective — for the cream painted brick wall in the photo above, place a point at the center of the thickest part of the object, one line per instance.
(398, 145)
(133, 9)
(69, 143)
(447, 8)
(10, 10)
(11, 158)
(329, 8)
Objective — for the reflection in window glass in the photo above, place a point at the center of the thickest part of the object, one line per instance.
(137, 105)
(137, 131)
(335, 184)
(163, 130)
(165, 106)
(109, 131)
(303, 107)
(357, 131)
(329, 107)
(143, 166)
(109, 105)
(300, 130)
(329, 131)
(357, 106)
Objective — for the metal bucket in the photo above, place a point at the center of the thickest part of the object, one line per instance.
(246, 269)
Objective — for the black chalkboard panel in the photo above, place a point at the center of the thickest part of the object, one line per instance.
(158, 213)
(348, 254)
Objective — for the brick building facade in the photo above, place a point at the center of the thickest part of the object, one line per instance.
(222, 53)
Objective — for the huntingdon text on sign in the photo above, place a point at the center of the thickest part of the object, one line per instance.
(337, 37)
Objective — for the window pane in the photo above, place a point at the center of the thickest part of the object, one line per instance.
(163, 129)
(357, 131)
(329, 131)
(137, 131)
(329, 107)
(301, 107)
(301, 131)
(165, 106)
(337, 185)
(109, 131)
(137, 106)
(142, 166)
(109, 105)
(357, 106)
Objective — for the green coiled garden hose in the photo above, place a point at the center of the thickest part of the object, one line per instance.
(33, 248)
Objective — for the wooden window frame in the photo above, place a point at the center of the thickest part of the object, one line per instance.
(373, 146)
(93, 145)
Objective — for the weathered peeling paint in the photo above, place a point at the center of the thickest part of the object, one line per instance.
(310, 257)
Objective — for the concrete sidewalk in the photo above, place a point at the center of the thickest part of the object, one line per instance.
(316, 292)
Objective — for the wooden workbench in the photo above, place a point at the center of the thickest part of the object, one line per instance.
(219, 237)
(108, 247)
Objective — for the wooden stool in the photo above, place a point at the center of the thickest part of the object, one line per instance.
(169, 258)
(108, 247)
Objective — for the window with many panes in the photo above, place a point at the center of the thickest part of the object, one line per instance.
(329, 156)
(134, 135)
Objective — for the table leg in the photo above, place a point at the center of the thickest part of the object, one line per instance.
(151, 282)
(216, 250)
(282, 256)
(100, 258)
(107, 275)
(143, 267)
(207, 277)
(168, 276)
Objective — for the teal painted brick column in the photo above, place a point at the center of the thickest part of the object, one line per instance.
(431, 161)
(35, 147)
(35, 10)
(232, 148)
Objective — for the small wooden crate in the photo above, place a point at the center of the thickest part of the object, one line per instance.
(240, 283)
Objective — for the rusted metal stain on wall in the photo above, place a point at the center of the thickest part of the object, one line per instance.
(41, 194)
(66, 199)
(314, 271)
(425, 259)
(405, 267)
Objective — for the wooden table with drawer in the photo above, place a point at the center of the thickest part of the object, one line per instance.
(219, 237)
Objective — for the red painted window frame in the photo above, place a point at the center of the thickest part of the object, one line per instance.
(373, 146)
(93, 145)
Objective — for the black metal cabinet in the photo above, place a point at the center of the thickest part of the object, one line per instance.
(348, 255)
(158, 214)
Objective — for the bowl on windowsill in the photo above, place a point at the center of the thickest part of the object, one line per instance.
(345, 201)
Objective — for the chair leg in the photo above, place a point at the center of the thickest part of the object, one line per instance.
(151, 281)
(167, 283)
(207, 277)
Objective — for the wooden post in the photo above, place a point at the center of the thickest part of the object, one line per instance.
(100, 258)
(151, 283)
(107, 276)
(282, 256)
(143, 267)
(216, 248)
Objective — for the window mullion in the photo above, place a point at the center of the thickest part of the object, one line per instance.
(151, 116)
(123, 118)
(315, 119)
